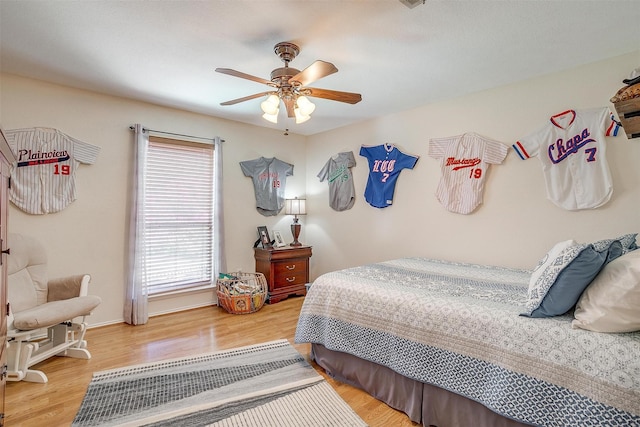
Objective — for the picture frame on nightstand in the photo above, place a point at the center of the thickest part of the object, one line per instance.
(263, 234)
(279, 240)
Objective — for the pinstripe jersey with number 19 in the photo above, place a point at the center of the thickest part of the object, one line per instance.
(464, 162)
(43, 177)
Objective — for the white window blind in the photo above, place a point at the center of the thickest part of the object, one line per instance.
(178, 209)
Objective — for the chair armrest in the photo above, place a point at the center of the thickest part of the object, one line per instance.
(68, 287)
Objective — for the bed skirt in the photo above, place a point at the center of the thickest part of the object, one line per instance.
(424, 404)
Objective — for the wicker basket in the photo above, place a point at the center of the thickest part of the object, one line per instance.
(242, 293)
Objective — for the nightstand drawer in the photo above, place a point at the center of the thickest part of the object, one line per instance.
(299, 278)
(291, 267)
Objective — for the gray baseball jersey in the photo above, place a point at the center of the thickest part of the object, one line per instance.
(342, 192)
(43, 177)
(571, 147)
(269, 179)
(464, 163)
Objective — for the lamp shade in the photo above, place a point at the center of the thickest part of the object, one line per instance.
(300, 118)
(270, 105)
(273, 118)
(295, 206)
(306, 107)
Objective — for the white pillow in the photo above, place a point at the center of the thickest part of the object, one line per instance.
(538, 284)
(611, 303)
(548, 259)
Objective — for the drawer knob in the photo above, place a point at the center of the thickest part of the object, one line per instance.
(291, 267)
(291, 279)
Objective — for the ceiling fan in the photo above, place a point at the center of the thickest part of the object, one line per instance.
(290, 86)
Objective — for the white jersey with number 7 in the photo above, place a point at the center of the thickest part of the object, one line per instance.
(571, 147)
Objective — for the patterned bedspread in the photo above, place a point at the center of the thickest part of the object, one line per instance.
(457, 326)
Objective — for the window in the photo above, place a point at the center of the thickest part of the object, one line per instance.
(178, 219)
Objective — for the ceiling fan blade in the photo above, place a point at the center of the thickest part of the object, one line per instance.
(235, 73)
(290, 103)
(334, 95)
(313, 72)
(246, 98)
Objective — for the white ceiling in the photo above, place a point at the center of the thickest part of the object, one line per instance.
(398, 58)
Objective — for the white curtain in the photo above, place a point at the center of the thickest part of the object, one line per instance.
(220, 260)
(135, 304)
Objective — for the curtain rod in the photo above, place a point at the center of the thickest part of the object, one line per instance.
(175, 134)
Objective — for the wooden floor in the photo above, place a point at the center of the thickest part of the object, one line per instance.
(187, 333)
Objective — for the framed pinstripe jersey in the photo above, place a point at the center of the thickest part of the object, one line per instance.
(464, 163)
(43, 177)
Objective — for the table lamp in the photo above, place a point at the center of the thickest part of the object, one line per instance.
(295, 207)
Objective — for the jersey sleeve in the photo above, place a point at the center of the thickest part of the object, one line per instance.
(407, 161)
(11, 138)
(84, 152)
(286, 167)
(351, 162)
(247, 167)
(437, 148)
(324, 172)
(610, 125)
(529, 146)
(495, 152)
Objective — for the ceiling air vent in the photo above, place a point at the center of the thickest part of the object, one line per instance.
(412, 3)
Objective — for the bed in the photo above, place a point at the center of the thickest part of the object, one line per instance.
(447, 343)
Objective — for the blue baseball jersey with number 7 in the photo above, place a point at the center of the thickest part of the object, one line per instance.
(386, 162)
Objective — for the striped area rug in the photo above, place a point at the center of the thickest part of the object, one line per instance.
(268, 384)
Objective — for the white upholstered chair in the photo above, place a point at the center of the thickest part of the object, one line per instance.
(46, 317)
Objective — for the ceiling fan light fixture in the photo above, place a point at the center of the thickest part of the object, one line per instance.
(305, 106)
(270, 105)
(300, 116)
(290, 86)
(273, 118)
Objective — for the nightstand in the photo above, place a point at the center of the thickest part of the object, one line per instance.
(286, 270)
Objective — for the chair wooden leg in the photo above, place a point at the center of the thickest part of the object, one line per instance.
(77, 353)
(18, 355)
(34, 376)
(61, 340)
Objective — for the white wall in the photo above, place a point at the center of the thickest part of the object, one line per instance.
(90, 234)
(516, 224)
(514, 227)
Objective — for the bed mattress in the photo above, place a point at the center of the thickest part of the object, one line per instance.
(458, 326)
